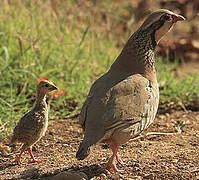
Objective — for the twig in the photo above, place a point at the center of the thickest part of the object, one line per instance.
(72, 116)
(152, 133)
(159, 133)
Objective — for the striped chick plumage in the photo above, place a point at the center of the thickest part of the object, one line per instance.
(33, 125)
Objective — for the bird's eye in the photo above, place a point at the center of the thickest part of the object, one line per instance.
(46, 85)
(166, 17)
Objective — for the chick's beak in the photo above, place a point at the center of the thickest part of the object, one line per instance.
(177, 18)
(54, 88)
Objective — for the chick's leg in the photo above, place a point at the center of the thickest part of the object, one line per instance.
(17, 160)
(32, 156)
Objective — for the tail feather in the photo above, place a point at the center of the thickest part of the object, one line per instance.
(83, 151)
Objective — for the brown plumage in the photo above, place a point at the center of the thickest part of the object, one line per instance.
(124, 101)
(33, 125)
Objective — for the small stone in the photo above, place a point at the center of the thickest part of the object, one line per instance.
(70, 175)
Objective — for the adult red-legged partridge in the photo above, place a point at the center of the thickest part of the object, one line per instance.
(124, 101)
(33, 125)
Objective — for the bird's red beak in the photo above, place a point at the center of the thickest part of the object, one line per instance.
(177, 18)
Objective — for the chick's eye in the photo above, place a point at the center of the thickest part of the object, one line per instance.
(167, 17)
(46, 85)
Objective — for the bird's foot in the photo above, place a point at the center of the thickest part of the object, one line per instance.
(32, 156)
(17, 160)
(111, 167)
(37, 161)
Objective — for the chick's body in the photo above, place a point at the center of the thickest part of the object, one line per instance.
(33, 125)
(124, 101)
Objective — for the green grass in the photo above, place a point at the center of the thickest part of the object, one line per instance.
(72, 43)
(176, 93)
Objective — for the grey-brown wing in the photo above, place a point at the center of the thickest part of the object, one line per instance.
(132, 103)
(97, 90)
(92, 110)
(111, 106)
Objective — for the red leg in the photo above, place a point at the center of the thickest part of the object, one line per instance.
(32, 156)
(19, 157)
(111, 163)
(115, 149)
(119, 160)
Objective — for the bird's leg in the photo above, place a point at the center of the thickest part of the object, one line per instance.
(119, 160)
(111, 166)
(17, 160)
(115, 149)
(32, 156)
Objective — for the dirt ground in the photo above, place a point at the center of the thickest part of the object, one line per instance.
(170, 156)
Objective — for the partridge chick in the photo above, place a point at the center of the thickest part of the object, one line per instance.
(124, 101)
(33, 125)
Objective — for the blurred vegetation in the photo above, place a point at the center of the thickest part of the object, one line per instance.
(72, 43)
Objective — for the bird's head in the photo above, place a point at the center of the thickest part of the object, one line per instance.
(45, 86)
(160, 22)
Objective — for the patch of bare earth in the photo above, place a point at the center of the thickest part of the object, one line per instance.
(171, 156)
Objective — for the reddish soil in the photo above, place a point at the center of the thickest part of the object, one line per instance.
(151, 157)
